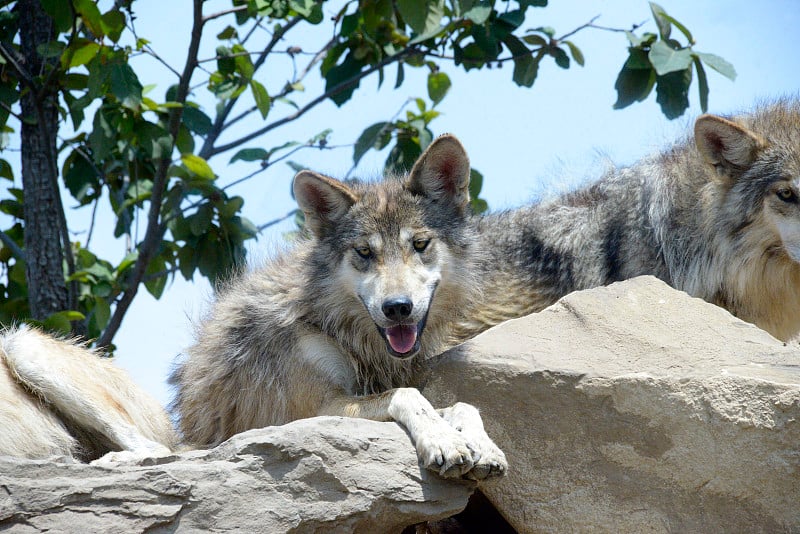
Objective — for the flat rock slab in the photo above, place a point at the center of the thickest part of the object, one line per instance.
(327, 474)
(635, 408)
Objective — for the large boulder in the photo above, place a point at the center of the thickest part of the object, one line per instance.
(327, 474)
(635, 408)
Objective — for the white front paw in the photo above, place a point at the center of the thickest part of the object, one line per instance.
(445, 451)
(492, 461)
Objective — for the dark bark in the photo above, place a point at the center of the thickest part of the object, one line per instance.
(47, 291)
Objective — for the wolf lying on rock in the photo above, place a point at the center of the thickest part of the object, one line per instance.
(717, 217)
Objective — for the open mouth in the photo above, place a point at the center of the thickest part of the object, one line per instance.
(402, 339)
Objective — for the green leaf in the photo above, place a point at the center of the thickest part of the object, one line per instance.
(718, 64)
(376, 136)
(423, 16)
(83, 54)
(534, 39)
(197, 166)
(577, 55)
(125, 85)
(479, 14)
(113, 23)
(184, 141)
(702, 84)
(200, 221)
(401, 75)
(684, 30)
(100, 314)
(637, 41)
(60, 12)
(438, 85)
(561, 57)
(60, 321)
(126, 262)
(261, 97)
(88, 11)
(228, 33)
(663, 23)
(339, 75)
(156, 278)
(526, 68)
(5, 170)
(250, 154)
(665, 59)
(633, 84)
(672, 92)
(225, 63)
(187, 262)
(231, 207)
(197, 121)
(475, 183)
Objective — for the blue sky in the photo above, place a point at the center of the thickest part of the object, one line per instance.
(527, 142)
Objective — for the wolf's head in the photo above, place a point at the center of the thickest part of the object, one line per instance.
(756, 162)
(388, 248)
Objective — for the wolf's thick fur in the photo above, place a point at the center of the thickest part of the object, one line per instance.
(342, 323)
(717, 216)
(59, 399)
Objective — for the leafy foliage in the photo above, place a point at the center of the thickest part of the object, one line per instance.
(149, 157)
(664, 63)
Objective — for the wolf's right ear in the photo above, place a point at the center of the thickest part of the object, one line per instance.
(323, 200)
(726, 145)
(442, 172)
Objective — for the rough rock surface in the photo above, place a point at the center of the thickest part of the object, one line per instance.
(316, 475)
(635, 408)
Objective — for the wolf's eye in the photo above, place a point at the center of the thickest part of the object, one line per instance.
(787, 195)
(421, 244)
(365, 252)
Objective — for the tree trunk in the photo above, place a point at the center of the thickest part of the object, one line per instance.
(47, 290)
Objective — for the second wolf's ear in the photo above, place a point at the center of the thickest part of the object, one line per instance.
(323, 200)
(442, 172)
(726, 145)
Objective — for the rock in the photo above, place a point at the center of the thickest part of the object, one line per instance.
(327, 474)
(635, 408)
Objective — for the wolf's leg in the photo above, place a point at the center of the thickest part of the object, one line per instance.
(466, 419)
(439, 445)
(84, 388)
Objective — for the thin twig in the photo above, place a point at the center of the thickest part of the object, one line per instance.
(16, 251)
(223, 13)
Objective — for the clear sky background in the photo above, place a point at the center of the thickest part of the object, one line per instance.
(553, 137)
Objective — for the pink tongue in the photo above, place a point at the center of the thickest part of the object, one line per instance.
(402, 337)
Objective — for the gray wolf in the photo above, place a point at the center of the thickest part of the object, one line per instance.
(342, 323)
(716, 215)
(58, 398)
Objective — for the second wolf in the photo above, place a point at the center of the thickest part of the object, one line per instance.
(717, 216)
(342, 323)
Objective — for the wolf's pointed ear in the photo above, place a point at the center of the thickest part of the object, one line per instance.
(323, 200)
(726, 145)
(442, 172)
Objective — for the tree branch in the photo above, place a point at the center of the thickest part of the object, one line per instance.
(219, 120)
(302, 111)
(16, 251)
(155, 230)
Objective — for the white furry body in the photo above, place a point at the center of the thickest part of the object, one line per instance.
(59, 399)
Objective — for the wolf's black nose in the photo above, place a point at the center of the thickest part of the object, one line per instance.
(396, 309)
